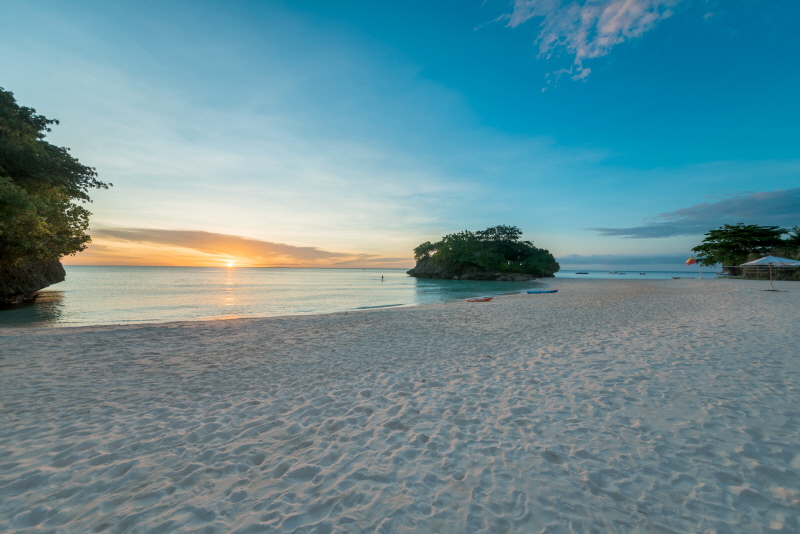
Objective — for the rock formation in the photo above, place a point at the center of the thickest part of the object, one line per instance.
(19, 283)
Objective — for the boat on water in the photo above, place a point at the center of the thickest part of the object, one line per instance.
(642, 273)
(580, 272)
(676, 277)
(535, 291)
(612, 272)
(480, 299)
(622, 273)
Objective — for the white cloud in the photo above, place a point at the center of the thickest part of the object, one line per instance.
(589, 29)
(326, 143)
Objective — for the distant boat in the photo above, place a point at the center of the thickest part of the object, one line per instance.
(535, 291)
(580, 272)
(622, 273)
(676, 277)
(480, 299)
(642, 273)
(612, 272)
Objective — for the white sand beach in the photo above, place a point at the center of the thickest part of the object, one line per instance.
(611, 406)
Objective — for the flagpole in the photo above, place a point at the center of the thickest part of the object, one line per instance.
(770, 277)
(692, 261)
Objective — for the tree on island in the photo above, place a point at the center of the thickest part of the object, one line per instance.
(498, 249)
(39, 185)
(733, 245)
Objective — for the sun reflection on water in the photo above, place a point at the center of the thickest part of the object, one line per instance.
(125, 295)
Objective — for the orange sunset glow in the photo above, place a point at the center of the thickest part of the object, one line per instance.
(153, 247)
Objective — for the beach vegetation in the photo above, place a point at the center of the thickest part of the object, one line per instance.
(735, 244)
(790, 249)
(42, 190)
(425, 250)
(793, 241)
(499, 248)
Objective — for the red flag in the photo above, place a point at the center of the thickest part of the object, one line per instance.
(691, 261)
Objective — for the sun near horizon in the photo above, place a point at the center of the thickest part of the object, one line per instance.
(313, 134)
(227, 252)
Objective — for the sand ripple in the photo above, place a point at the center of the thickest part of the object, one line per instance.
(612, 406)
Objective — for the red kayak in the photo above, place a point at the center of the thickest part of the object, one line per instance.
(480, 299)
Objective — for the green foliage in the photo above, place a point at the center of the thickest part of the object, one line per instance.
(38, 183)
(495, 249)
(732, 244)
(790, 248)
(425, 250)
(793, 241)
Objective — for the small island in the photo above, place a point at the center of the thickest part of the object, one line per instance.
(496, 253)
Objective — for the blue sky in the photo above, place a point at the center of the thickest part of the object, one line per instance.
(613, 132)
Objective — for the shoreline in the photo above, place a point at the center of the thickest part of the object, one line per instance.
(111, 301)
(546, 282)
(610, 405)
(10, 327)
(498, 291)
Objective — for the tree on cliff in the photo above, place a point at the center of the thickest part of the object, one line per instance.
(733, 244)
(498, 248)
(39, 185)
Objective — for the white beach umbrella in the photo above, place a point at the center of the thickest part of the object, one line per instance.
(772, 260)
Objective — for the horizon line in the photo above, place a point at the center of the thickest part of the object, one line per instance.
(227, 267)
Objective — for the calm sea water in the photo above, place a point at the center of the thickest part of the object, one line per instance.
(708, 272)
(93, 295)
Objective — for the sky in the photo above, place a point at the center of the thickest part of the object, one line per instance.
(614, 133)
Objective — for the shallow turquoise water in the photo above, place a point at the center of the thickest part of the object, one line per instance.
(708, 272)
(94, 295)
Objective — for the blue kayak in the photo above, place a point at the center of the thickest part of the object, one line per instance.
(532, 291)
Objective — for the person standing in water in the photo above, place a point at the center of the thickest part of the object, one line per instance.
(381, 278)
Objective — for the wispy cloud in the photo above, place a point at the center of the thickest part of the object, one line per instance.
(158, 246)
(780, 208)
(301, 135)
(589, 29)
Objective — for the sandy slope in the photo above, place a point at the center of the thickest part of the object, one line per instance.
(612, 406)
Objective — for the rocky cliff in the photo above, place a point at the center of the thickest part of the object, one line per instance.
(21, 282)
(427, 268)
